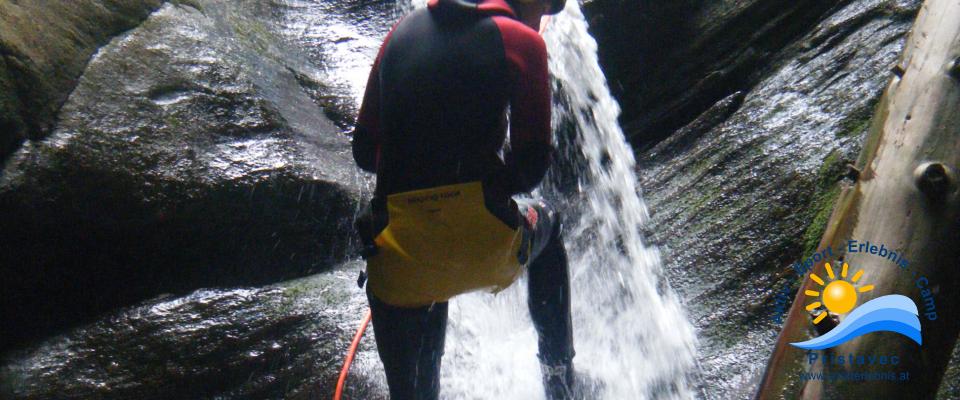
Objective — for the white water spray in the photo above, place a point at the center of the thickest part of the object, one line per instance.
(631, 335)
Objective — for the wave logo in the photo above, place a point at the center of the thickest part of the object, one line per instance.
(892, 313)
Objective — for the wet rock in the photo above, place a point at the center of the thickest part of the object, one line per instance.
(667, 62)
(284, 341)
(189, 155)
(744, 188)
(44, 46)
(950, 385)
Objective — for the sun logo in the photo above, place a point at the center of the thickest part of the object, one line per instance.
(839, 296)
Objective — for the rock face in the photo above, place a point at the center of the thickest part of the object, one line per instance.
(683, 56)
(284, 341)
(195, 151)
(771, 99)
(44, 46)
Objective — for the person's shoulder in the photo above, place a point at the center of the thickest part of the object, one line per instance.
(517, 34)
(418, 16)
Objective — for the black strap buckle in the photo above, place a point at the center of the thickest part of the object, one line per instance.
(361, 279)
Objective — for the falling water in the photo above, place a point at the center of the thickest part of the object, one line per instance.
(631, 335)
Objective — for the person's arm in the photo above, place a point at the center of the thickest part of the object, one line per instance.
(368, 129)
(530, 151)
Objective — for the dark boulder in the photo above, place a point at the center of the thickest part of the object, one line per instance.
(283, 341)
(44, 47)
(195, 151)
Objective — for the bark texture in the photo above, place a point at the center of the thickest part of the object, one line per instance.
(905, 197)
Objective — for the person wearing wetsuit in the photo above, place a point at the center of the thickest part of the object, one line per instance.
(435, 113)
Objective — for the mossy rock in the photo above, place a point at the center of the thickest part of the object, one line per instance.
(44, 47)
(281, 341)
(171, 169)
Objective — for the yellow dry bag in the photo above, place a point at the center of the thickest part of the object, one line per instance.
(441, 242)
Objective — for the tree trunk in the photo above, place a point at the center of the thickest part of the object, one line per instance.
(906, 199)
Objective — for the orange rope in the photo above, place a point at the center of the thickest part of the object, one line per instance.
(350, 354)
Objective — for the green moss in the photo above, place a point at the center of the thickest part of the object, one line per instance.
(11, 124)
(255, 33)
(323, 287)
(829, 172)
(823, 202)
(823, 207)
(858, 121)
(705, 198)
(872, 141)
(8, 98)
(852, 126)
(188, 3)
(173, 121)
(45, 46)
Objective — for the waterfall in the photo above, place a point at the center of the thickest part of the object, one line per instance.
(631, 334)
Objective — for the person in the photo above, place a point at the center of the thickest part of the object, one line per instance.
(443, 221)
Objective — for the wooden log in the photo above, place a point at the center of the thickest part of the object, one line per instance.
(906, 199)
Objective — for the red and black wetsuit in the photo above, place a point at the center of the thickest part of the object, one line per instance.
(434, 111)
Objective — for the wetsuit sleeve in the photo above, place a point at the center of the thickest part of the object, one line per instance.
(530, 142)
(368, 129)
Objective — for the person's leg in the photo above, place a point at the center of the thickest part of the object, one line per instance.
(410, 342)
(431, 352)
(549, 302)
